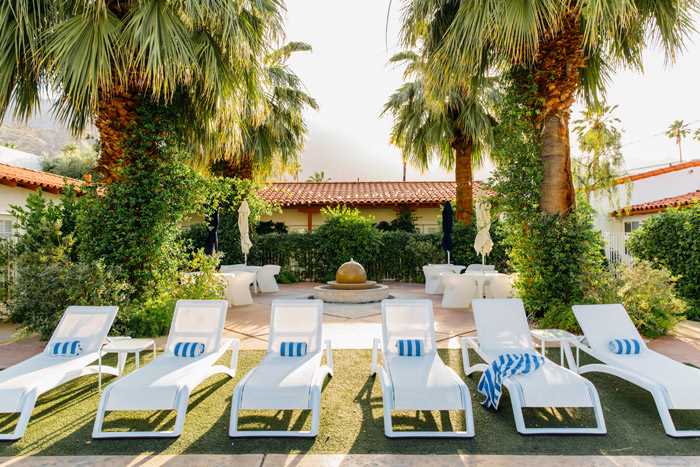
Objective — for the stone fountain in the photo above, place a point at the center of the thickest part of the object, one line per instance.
(351, 286)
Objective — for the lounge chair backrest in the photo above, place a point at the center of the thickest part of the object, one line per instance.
(88, 324)
(407, 319)
(296, 321)
(501, 324)
(603, 323)
(198, 321)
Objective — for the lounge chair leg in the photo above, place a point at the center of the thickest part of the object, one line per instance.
(24, 415)
(375, 356)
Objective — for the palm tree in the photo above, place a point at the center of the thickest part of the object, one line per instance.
(318, 177)
(601, 162)
(455, 127)
(677, 131)
(106, 59)
(274, 130)
(567, 48)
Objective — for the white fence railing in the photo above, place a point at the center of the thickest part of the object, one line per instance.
(616, 249)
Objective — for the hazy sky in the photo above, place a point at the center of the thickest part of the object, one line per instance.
(349, 76)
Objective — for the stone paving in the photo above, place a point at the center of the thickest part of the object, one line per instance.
(354, 326)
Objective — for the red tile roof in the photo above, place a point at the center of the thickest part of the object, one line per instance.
(674, 167)
(33, 179)
(358, 193)
(660, 205)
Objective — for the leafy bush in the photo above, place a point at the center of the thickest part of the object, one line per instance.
(671, 240)
(287, 277)
(72, 161)
(268, 227)
(152, 316)
(43, 289)
(345, 235)
(649, 296)
(405, 221)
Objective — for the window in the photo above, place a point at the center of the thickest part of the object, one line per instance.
(5, 228)
(631, 226)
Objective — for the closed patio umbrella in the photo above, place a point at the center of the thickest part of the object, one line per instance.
(243, 228)
(447, 222)
(482, 242)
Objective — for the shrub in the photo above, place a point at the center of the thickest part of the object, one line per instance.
(43, 289)
(287, 277)
(152, 317)
(671, 240)
(347, 234)
(649, 296)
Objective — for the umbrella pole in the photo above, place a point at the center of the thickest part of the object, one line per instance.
(448, 256)
(245, 258)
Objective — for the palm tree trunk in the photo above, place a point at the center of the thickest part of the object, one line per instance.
(464, 179)
(116, 116)
(557, 74)
(241, 168)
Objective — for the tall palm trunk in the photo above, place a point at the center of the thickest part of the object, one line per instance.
(557, 75)
(117, 116)
(464, 178)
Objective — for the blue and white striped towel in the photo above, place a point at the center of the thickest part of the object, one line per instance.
(410, 347)
(66, 349)
(293, 349)
(505, 366)
(625, 346)
(189, 349)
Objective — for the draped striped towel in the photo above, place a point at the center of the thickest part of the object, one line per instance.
(410, 347)
(66, 349)
(293, 349)
(189, 349)
(505, 366)
(625, 346)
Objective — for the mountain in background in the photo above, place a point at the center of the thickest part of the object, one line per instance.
(41, 134)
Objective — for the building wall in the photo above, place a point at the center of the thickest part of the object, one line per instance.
(427, 218)
(642, 191)
(14, 196)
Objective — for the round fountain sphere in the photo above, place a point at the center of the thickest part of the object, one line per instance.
(351, 273)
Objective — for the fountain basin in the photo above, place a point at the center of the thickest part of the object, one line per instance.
(360, 293)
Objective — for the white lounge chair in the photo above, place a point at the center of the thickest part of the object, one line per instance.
(459, 291)
(416, 383)
(22, 384)
(266, 278)
(673, 385)
(287, 383)
(167, 382)
(501, 326)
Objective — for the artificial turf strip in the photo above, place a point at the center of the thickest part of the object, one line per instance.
(351, 422)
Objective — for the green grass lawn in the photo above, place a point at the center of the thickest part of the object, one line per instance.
(351, 422)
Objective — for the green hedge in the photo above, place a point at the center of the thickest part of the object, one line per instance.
(672, 240)
(385, 255)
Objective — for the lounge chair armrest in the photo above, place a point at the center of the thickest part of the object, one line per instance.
(329, 353)
(235, 349)
(376, 349)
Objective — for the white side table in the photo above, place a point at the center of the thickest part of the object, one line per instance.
(555, 335)
(123, 346)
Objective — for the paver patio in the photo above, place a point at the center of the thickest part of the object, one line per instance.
(354, 326)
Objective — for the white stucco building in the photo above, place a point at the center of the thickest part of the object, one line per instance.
(642, 194)
(17, 183)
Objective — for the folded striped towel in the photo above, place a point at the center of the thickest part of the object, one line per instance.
(189, 349)
(625, 346)
(505, 366)
(410, 347)
(66, 349)
(293, 349)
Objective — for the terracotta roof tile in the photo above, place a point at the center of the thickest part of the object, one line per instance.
(674, 167)
(358, 193)
(33, 179)
(661, 204)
